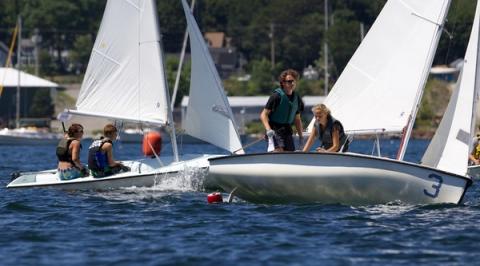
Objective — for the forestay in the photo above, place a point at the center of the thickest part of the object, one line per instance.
(125, 77)
(383, 81)
(209, 116)
(449, 148)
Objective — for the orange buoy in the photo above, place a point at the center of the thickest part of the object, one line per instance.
(152, 139)
(215, 197)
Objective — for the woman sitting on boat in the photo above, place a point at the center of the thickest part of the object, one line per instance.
(100, 155)
(328, 130)
(68, 153)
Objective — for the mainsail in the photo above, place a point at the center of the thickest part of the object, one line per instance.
(209, 116)
(125, 76)
(383, 81)
(449, 148)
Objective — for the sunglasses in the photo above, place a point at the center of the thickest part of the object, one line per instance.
(290, 81)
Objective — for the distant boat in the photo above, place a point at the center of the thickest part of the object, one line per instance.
(125, 80)
(369, 97)
(28, 136)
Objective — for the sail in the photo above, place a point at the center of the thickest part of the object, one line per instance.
(383, 81)
(125, 76)
(209, 116)
(450, 146)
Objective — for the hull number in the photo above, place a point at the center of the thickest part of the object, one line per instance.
(436, 187)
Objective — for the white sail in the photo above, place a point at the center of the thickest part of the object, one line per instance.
(124, 78)
(209, 116)
(382, 82)
(449, 148)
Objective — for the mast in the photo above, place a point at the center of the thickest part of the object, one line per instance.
(19, 52)
(180, 64)
(170, 122)
(325, 49)
(428, 65)
(477, 82)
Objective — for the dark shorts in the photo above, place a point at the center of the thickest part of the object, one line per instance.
(108, 171)
(283, 138)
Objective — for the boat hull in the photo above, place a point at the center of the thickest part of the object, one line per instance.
(474, 171)
(144, 173)
(344, 178)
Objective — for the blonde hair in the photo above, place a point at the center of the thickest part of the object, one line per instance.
(322, 108)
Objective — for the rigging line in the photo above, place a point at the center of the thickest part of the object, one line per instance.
(9, 56)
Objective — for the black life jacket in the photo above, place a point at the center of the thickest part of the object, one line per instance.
(325, 136)
(98, 160)
(63, 151)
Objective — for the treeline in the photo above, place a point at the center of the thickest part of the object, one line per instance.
(295, 30)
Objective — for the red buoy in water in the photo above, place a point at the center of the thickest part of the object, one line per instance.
(152, 143)
(215, 197)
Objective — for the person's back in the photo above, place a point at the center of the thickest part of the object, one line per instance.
(100, 155)
(68, 154)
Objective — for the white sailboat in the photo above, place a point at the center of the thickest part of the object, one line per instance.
(379, 91)
(125, 80)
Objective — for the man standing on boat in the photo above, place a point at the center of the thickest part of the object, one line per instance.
(283, 108)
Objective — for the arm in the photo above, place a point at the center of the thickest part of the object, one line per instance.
(336, 140)
(310, 140)
(299, 126)
(108, 149)
(75, 146)
(264, 118)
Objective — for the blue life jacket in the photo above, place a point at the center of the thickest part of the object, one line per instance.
(286, 109)
(98, 160)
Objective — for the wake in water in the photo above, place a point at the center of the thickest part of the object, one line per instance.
(166, 186)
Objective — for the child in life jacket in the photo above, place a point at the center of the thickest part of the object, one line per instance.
(100, 155)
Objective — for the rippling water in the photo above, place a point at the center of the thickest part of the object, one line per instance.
(173, 224)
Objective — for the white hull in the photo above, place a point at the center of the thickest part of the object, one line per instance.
(474, 171)
(144, 173)
(344, 178)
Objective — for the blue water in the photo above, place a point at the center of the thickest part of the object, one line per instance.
(174, 225)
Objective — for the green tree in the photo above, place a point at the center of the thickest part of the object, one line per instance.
(42, 104)
(81, 51)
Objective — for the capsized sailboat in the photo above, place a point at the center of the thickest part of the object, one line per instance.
(386, 76)
(125, 80)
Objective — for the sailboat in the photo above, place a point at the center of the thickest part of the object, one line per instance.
(125, 80)
(378, 92)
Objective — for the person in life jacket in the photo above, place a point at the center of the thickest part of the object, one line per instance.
(68, 154)
(100, 155)
(474, 157)
(283, 109)
(329, 131)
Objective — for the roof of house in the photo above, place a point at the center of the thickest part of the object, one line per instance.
(9, 78)
(215, 39)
